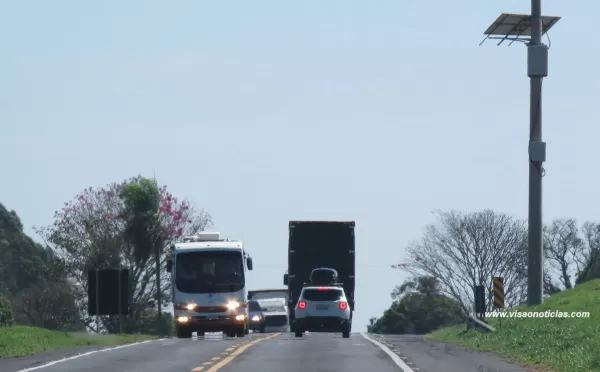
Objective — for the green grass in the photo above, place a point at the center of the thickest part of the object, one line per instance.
(548, 344)
(20, 340)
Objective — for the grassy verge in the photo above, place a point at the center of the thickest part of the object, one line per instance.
(550, 344)
(19, 340)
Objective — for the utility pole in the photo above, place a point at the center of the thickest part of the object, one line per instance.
(516, 27)
(537, 66)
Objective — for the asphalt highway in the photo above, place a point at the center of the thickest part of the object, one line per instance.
(273, 352)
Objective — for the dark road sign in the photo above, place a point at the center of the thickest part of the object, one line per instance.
(108, 292)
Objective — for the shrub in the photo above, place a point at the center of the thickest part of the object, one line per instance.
(6, 315)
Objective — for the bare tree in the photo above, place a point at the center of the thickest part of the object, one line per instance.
(466, 250)
(550, 287)
(564, 250)
(591, 236)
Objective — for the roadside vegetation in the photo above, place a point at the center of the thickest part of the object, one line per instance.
(22, 340)
(43, 283)
(556, 344)
(461, 250)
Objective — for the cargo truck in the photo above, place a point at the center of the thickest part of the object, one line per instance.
(319, 244)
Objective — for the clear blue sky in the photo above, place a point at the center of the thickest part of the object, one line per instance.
(266, 111)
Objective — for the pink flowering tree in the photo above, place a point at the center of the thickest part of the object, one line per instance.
(178, 218)
(155, 218)
(90, 231)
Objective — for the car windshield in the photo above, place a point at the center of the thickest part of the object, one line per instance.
(276, 305)
(266, 294)
(253, 306)
(332, 294)
(209, 272)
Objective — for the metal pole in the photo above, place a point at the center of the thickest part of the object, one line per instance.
(120, 305)
(97, 303)
(158, 292)
(535, 259)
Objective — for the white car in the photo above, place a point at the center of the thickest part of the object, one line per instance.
(322, 309)
(275, 313)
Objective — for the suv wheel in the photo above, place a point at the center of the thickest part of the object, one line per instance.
(346, 331)
(298, 333)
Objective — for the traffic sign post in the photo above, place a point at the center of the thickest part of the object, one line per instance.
(498, 289)
(480, 302)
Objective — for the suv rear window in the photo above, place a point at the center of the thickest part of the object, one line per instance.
(322, 295)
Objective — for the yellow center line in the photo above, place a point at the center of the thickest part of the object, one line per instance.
(240, 350)
(215, 358)
(244, 346)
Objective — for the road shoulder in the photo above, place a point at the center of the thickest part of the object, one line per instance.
(13, 364)
(432, 356)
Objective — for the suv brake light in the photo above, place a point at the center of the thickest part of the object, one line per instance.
(302, 305)
(322, 288)
(343, 305)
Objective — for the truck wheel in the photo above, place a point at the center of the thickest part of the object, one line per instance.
(183, 332)
(230, 333)
(298, 333)
(262, 329)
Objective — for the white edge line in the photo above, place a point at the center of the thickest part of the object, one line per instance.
(88, 353)
(399, 362)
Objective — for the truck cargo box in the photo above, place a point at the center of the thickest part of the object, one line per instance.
(320, 244)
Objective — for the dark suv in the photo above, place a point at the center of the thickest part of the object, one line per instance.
(256, 317)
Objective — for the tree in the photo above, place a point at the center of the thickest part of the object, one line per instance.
(591, 269)
(142, 225)
(564, 250)
(91, 231)
(141, 200)
(33, 280)
(371, 325)
(6, 313)
(466, 250)
(419, 307)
